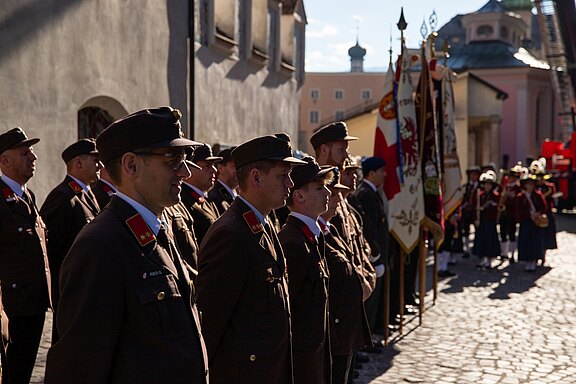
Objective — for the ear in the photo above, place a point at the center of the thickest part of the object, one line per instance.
(298, 196)
(129, 165)
(255, 177)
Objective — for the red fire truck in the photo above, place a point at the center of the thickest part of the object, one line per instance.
(561, 163)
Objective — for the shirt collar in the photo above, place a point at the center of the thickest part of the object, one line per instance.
(14, 185)
(84, 186)
(149, 217)
(198, 191)
(323, 222)
(310, 222)
(257, 212)
(371, 184)
(232, 192)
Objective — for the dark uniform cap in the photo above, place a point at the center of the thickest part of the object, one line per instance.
(263, 148)
(152, 128)
(331, 132)
(474, 168)
(226, 154)
(306, 173)
(81, 147)
(349, 163)
(335, 183)
(15, 138)
(204, 152)
(372, 164)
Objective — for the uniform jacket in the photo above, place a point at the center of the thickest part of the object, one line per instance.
(220, 197)
(103, 192)
(469, 196)
(308, 289)
(203, 212)
(488, 205)
(66, 211)
(349, 327)
(375, 228)
(548, 189)
(126, 312)
(183, 229)
(243, 295)
(24, 270)
(524, 208)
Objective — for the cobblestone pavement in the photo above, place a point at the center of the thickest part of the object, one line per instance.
(494, 326)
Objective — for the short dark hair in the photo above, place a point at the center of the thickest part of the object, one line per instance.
(114, 169)
(262, 165)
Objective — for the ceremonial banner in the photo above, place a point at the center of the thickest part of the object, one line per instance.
(430, 155)
(397, 142)
(451, 177)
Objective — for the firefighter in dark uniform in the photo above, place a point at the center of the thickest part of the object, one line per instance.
(127, 313)
(224, 191)
(195, 190)
(24, 270)
(241, 287)
(303, 246)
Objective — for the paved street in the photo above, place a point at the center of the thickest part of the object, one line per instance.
(496, 326)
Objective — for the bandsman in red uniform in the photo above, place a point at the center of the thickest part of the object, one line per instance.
(486, 242)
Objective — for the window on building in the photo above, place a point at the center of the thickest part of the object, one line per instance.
(260, 28)
(339, 115)
(314, 93)
(485, 31)
(225, 20)
(366, 94)
(338, 94)
(314, 117)
(92, 121)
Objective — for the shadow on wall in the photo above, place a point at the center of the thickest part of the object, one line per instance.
(21, 22)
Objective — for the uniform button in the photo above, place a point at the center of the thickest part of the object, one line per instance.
(252, 357)
(14, 285)
(336, 321)
(20, 229)
(161, 296)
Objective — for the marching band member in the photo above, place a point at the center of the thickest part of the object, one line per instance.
(506, 212)
(486, 242)
(548, 189)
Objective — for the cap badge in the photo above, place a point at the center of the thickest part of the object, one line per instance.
(75, 186)
(8, 194)
(177, 114)
(253, 222)
(140, 229)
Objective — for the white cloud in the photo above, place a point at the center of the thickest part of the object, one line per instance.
(325, 31)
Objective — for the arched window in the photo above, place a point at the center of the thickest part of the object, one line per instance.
(485, 31)
(92, 121)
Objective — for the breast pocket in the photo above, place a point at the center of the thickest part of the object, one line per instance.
(163, 305)
(270, 287)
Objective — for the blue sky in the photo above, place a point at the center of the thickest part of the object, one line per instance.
(332, 27)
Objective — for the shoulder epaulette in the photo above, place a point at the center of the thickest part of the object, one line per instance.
(253, 222)
(197, 196)
(140, 229)
(76, 188)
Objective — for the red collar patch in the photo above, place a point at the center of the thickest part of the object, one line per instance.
(323, 227)
(75, 186)
(140, 229)
(197, 196)
(308, 233)
(107, 189)
(8, 194)
(253, 222)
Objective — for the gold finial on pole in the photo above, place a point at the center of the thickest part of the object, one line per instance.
(446, 49)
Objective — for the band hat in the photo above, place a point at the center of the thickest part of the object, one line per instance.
(488, 176)
(372, 164)
(474, 168)
(81, 147)
(15, 137)
(306, 173)
(267, 147)
(350, 164)
(148, 128)
(204, 153)
(337, 131)
(335, 183)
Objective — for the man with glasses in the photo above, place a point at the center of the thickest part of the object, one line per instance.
(24, 271)
(127, 311)
(70, 206)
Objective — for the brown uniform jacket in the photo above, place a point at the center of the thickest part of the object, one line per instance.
(349, 327)
(371, 207)
(220, 197)
(308, 289)
(24, 270)
(243, 295)
(203, 212)
(183, 229)
(66, 211)
(126, 311)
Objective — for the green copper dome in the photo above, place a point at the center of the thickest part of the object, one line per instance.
(517, 5)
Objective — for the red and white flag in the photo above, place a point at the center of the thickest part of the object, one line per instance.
(397, 142)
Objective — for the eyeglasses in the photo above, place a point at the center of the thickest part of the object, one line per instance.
(176, 161)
